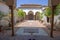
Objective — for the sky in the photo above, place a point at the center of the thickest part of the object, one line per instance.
(41, 2)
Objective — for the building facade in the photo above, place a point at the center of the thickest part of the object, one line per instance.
(32, 11)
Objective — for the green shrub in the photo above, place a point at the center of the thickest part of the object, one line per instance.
(20, 13)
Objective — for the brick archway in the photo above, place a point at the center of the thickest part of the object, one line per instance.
(30, 15)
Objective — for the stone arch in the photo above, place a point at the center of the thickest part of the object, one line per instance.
(30, 15)
(37, 15)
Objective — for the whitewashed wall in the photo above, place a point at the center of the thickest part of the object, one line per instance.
(56, 18)
(33, 10)
(41, 11)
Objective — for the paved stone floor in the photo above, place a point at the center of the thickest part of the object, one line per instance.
(6, 34)
(30, 23)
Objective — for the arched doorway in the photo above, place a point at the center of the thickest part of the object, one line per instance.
(30, 15)
(37, 16)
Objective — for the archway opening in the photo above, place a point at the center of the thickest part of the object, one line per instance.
(30, 15)
(37, 16)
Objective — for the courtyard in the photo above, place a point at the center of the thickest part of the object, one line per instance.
(29, 20)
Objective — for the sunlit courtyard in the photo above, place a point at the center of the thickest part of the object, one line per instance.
(30, 20)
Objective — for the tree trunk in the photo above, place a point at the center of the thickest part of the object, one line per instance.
(48, 19)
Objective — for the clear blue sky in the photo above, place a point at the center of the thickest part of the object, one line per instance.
(41, 2)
